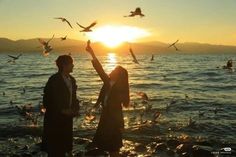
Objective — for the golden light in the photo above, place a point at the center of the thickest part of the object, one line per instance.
(112, 58)
(113, 36)
(111, 62)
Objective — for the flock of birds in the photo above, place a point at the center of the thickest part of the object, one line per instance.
(47, 48)
(137, 12)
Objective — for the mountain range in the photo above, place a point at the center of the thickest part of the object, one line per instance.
(78, 46)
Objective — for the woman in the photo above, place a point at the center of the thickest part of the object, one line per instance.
(113, 95)
(61, 106)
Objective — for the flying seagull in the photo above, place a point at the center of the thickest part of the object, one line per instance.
(64, 20)
(87, 29)
(173, 44)
(47, 48)
(143, 95)
(132, 54)
(136, 13)
(14, 58)
(152, 57)
(63, 38)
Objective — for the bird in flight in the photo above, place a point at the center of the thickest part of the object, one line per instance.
(63, 38)
(136, 13)
(87, 29)
(152, 57)
(173, 44)
(47, 48)
(143, 96)
(64, 20)
(134, 57)
(13, 58)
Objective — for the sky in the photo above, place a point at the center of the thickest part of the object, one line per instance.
(204, 21)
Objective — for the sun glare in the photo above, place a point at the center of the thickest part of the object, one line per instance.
(112, 57)
(111, 62)
(113, 36)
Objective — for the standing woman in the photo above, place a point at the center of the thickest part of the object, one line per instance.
(61, 106)
(113, 95)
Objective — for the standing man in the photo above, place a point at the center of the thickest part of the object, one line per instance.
(61, 106)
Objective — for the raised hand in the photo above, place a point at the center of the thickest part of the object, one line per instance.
(88, 47)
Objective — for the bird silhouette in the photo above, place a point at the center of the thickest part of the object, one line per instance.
(200, 114)
(136, 13)
(156, 116)
(47, 48)
(64, 20)
(152, 58)
(63, 38)
(13, 58)
(134, 57)
(87, 29)
(143, 96)
(173, 44)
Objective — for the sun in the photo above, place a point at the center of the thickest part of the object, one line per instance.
(113, 36)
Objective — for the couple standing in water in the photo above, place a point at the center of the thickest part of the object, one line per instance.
(62, 105)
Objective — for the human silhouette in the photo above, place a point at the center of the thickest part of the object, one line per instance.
(113, 96)
(61, 106)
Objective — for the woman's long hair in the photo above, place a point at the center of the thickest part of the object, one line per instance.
(122, 84)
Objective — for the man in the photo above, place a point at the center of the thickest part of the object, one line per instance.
(61, 106)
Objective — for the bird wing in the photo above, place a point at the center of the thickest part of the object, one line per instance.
(92, 24)
(50, 39)
(68, 23)
(42, 41)
(80, 25)
(18, 55)
(175, 42)
(132, 53)
(12, 56)
(170, 45)
(176, 48)
(61, 18)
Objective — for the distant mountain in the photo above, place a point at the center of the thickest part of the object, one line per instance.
(77, 46)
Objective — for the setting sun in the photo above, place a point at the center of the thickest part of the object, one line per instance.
(113, 36)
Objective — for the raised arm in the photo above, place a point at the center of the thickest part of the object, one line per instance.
(97, 65)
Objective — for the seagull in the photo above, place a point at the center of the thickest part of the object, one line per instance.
(63, 38)
(186, 96)
(132, 54)
(143, 95)
(200, 114)
(167, 107)
(64, 20)
(136, 12)
(216, 110)
(156, 116)
(47, 48)
(191, 123)
(87, 29)
(152, 58)
(173, 44)
(23, 90)
(42, 108)
(14, 58)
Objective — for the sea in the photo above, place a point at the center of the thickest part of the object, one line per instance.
(194, 96)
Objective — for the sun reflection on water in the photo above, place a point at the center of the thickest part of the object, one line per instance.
(111, 62)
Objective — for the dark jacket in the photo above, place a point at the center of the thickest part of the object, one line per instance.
(58, 128)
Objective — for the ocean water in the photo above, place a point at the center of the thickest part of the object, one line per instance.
(194, 82)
